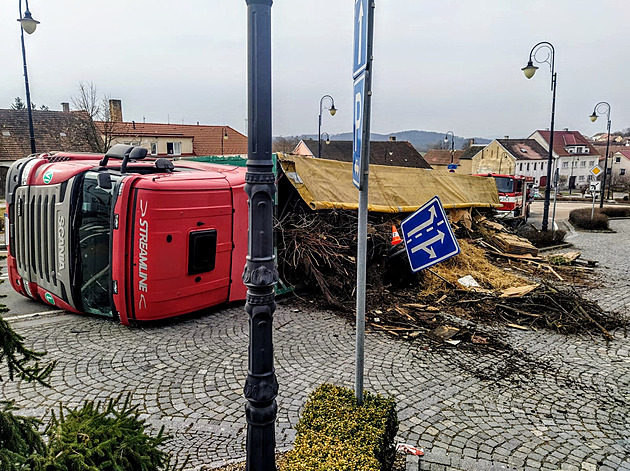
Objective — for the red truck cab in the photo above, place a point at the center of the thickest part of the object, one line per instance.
(514, 193)
(137, 240)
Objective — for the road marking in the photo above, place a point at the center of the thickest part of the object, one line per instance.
(33, 314)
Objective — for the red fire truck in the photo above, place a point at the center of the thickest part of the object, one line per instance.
(124, 237)
(515, 194)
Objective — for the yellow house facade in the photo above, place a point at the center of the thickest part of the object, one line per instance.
(494, 158)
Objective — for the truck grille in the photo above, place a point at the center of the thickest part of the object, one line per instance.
(35, 235)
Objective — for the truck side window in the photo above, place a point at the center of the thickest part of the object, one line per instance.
(202, 251)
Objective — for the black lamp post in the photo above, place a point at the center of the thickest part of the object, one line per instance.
(452, 146)
(529, 70)
(606, 109)
(224, 137)
(260, 275)
(332, 111)
(28, 24)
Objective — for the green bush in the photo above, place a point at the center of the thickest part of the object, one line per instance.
(616, 211)
(335, 434)
(581, 218)
(95, 438)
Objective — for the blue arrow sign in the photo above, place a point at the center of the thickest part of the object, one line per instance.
(360, 57)
(428, 236)
(357, 139)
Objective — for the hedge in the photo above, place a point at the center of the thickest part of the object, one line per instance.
(581, 218)
(616, 211)
(335, 434)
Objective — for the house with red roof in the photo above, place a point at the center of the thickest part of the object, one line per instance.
(620, 166)
(513, 157)
(171, 140)
(574, 156)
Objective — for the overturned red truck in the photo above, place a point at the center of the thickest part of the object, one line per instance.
(515, 194)
(122, 237)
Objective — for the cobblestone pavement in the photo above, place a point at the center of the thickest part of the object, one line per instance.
(555, 402)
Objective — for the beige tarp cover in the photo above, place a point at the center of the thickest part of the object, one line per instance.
(327, 184)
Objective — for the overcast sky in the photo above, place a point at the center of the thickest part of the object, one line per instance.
(438, 65)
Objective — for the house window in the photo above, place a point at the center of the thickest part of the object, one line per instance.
(542, 166)
(565, 164)
(521, 166)
(617, 160)
(583, 164)
(174, 148)
(528, 166)
(154, 148)
(586, 150)
(591, 163)
(571, 150)
(535, 164)
(132, 143)
(589, 177)
(581, 178)
(622, 171)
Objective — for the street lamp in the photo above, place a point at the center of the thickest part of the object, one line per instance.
(327, 141)
(332, 111)
(28, 24)
(224, 137)
(606, 109)
(529, 70)
(452, 148)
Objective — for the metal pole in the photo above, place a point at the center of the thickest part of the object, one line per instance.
(260, 275)
(601, 203)
(555, 199)
(545, 220)
(31, 131)
(319, 132)
(593, 207)
(363, 217)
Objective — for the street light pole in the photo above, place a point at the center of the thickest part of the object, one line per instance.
(529, 70)
(224, 137)
(27, 24)
(452, 146)
(332, 111)
(594, 116)
(260, 275)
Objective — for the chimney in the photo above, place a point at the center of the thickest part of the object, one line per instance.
(506, 137)
(115, 111)
(392, 138)
(565, 129)
(65, 107)
(472, 141)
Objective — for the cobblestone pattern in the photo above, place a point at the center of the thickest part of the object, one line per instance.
(611, 250)
(555, 403)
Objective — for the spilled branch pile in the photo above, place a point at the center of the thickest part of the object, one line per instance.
(318, 250)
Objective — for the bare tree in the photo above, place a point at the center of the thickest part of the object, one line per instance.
(285, 144)
(441, 145)
(87, 99)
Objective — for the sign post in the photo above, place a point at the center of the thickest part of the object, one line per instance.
(362, 80)
(594, 189)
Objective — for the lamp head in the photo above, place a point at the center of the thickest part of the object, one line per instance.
(594, 117)
(529, 70)
(333, 110)
(225, 135)
(328, 140)
(28, 23)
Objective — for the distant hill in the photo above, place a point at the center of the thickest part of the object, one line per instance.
(421, 140)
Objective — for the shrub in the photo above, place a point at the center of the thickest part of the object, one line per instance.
(616, 211)
(542, 239)
(95, 438)
(335, 434)
(581, 218)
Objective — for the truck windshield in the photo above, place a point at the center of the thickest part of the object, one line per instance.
(93, 272)
(504, 184)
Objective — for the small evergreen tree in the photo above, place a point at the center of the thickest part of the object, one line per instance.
(18, 104)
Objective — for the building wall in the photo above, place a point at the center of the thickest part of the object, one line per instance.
(493, 159)
(532, 168)
(186, 143)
